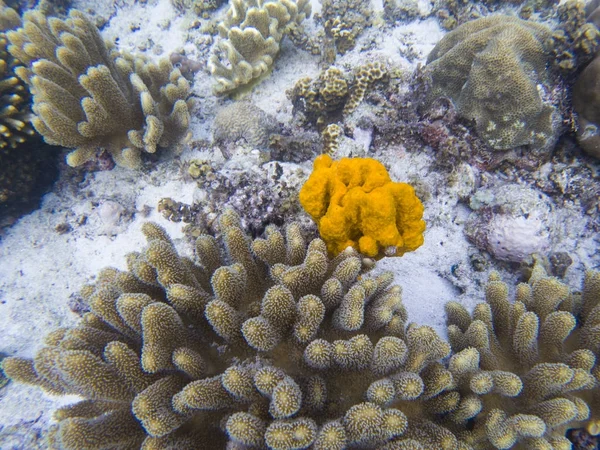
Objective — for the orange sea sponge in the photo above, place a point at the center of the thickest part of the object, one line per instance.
(355, 203)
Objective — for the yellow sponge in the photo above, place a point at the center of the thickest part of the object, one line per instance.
(355, 203)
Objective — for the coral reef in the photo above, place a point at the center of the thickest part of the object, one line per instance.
(316, 99)
(331, 138)
(344, 20)
(526, 370)
(364, 77)
(491, 69)
(586, 99)
(89, 97)
(243, 120)
(355, 203)
(576, 39)
(295, 145)
(270, 344)
(334, 94)
(251, 34)
(263, 194)
(25, 165)
(395, 10)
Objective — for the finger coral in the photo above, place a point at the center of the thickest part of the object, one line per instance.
(526, 370)
(251, 34)
(355, 204)
(264, 343)
(89, 97)
(494, 71)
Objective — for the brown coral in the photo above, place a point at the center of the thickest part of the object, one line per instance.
(526, 370)
(251, 34)
(269, 343)
(89, 97)
(494, 71)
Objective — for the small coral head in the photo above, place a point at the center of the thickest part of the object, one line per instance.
(355, 203)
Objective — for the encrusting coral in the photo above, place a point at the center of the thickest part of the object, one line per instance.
(331, 138)
(268, 344)
(251, 34)
(494, 71)
(527, 370)
(89, 97)
(355, 203)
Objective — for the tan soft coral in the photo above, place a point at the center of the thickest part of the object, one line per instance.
(89, 97)
(251, 35)
(526, 370)
(270, 342)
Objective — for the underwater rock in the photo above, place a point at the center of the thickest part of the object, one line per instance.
(510, 221)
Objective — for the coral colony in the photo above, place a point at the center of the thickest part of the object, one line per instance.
(277, 333)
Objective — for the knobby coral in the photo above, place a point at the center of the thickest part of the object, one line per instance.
(355, 203)
(251, 34)
(494, 71)
(268, 344)
(89, 97)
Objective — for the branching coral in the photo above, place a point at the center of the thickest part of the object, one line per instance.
(527, 370)
(88, 97)
(355, 203)
(270, 343)
(251, 34)
(494, 71)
